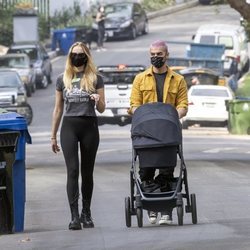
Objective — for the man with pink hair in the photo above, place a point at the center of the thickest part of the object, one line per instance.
(159, 83)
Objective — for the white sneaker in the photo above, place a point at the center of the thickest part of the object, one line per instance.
(152, 217)
(98, 50)
(165, 220)
(103, 49)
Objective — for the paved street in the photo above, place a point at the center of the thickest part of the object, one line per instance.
(218, 171)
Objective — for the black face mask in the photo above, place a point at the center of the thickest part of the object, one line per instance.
(157, 61)
(79, 60)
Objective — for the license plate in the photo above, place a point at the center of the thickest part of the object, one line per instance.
(209, 105)
(122, 112)
(110, 33)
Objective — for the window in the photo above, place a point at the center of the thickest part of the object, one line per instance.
(117, 77)
(227, 41)
(210, 92)
(207, 39)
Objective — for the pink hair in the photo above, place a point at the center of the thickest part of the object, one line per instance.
(158, 44)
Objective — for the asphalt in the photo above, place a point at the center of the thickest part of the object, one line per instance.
(46, 208)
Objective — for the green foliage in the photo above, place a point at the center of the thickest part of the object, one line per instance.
(68, 17)
(6, 26)
(244, 88)
(150, 5)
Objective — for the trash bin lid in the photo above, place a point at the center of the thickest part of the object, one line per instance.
(14, 121)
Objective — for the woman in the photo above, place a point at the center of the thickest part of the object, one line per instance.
(100, 19)
(81, 89)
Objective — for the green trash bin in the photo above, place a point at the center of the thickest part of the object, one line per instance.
(239, 116)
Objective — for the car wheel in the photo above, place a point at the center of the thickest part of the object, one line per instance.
(184, 125)
(33, 87)
(44, 83)
(29, 91)
(29, 114)
(49, 79)
(133, 33)
(145, 29)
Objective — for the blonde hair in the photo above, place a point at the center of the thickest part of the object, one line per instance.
(89, 78)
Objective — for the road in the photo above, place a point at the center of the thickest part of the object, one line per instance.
(218, 170)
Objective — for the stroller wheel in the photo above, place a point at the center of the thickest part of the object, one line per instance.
(127, 212)
(180, 215)
(139, 214)
(193, 208)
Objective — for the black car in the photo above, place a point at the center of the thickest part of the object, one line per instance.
(39, 59)
(125, 20)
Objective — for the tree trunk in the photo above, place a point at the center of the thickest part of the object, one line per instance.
(242, 7)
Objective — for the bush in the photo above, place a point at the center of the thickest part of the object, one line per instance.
(150, 5)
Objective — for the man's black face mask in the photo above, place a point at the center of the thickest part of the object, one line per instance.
(157, 61)
(79, 60)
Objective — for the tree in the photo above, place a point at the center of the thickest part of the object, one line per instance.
(242, 7)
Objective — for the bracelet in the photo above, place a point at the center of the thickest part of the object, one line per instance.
(53, 138)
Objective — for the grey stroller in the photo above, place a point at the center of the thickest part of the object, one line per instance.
(156, 134)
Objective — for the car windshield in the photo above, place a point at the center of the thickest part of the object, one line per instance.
(14, 62)
(9, 79)
(31, 52)
(210, 92)
(118, 77)
(118, 10)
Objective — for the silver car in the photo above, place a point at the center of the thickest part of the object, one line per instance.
(13, 95)
(22, 64)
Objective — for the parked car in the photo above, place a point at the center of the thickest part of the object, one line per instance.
(118, 81)
(207, 105)
(125, 20)
(39, 59)
(22, 64)
(13, 94)
(232, 36)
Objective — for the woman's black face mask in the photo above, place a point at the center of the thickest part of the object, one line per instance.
(78, 60)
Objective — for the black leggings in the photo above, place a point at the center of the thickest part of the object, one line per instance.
(79, 131)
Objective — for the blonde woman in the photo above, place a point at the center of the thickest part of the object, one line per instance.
(80, 89)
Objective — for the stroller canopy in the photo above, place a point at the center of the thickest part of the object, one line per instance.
(155, 125)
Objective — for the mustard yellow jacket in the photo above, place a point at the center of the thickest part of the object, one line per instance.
(144, 89)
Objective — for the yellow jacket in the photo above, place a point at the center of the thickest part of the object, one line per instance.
(144, 89)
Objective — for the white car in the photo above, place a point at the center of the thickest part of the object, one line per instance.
(232, 36)
(207, 105)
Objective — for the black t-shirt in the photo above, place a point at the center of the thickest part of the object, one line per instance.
(77, 100)
(160, 79)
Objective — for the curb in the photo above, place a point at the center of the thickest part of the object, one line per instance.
(172, 9)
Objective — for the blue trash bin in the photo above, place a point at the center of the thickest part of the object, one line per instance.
(14, 122)
(63, 39)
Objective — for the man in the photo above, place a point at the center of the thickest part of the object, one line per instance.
(159, 84)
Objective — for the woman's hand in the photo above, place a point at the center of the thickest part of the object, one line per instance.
(95, 97)
(54, 146)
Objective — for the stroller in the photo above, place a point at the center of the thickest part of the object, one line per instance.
(156, 135)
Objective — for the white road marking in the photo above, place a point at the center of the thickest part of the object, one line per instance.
(217, 150)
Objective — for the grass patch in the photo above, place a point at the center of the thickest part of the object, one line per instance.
(244, 88)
